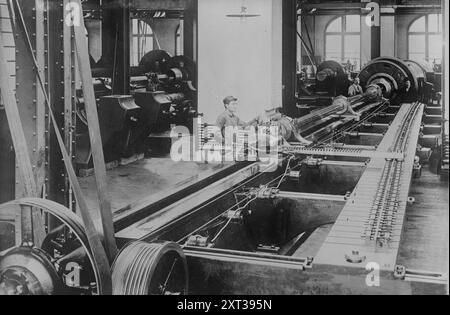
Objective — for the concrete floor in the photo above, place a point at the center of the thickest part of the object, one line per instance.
(159, 177)
(425, 244)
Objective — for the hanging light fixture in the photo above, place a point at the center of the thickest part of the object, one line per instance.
(244, 13)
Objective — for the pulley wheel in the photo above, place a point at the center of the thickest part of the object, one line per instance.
(426, 67)
(27, 270)
(153, 61)
(150, 269)
(391, 74)
(402, 64)
(64, 252)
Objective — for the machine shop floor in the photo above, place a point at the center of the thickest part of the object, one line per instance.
(145, 179)
(425, 240)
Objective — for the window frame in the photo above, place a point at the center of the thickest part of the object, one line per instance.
(342, 34)
(178, 43)
(139, 36)
(426, 33)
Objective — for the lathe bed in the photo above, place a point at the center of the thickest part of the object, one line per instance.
(329, 229)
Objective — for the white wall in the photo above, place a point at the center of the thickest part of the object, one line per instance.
(239, 57)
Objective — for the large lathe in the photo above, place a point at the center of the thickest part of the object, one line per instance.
(335, 204)
(163, 94)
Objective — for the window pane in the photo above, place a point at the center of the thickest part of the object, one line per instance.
(435, 48)
(418, 26)
(417, 44)
(147, 29)
(417, 57)
(334, 47)
(135, 27)
(353, 23)
(178, 44)
(417, 47)
(352, 51)
(435, 23)
(134, 52)
(335, 26)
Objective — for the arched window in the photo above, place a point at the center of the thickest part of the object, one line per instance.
(425, 38)
(343, 40)
(142, 40)
(178, 43)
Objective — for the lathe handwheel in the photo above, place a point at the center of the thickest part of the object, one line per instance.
(150, 269)
(65, 251)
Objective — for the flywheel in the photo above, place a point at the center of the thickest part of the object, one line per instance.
(150, 269)
(62, 265)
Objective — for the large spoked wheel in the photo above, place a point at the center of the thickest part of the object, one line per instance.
(150, 269)
(62, 264)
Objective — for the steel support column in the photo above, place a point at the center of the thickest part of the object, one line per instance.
(290, 57)
(190, 30)
(31, 107)
(58, 57)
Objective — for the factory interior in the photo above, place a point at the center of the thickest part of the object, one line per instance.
(118, 175)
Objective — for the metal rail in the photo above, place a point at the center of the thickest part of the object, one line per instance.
(385, 207)
(301, 150)
(370, 225)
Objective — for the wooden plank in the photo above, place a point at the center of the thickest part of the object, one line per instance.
(82, 52)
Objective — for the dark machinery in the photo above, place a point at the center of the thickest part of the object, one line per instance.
(170, 97)
(336, 204)
(62, 264)
(163, 94)
(332, 79)
(390, 74)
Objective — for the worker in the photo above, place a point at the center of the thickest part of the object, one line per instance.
(229, 117)
(355, 88)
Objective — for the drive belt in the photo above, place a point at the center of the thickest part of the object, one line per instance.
(98, 251)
